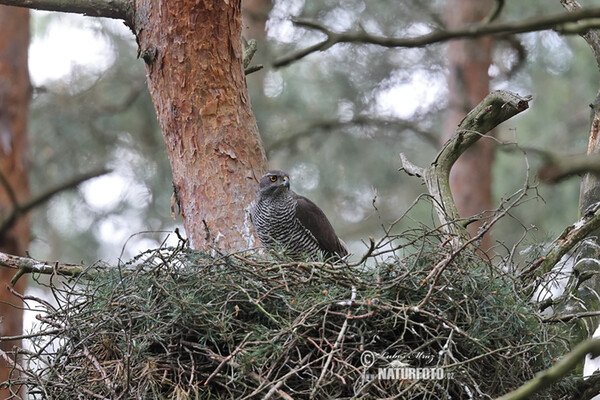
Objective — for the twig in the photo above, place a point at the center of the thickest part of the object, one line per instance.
(568, 317)
(368, 253)
(31, 335)
(495, 12)
(99, 368)
(228, 358)
(556, 21)
(11, 362)
(337, 343)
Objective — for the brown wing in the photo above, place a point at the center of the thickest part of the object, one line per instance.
(314, 219)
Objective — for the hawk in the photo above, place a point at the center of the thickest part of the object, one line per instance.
(292, 223)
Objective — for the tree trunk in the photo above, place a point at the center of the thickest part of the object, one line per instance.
(14, 106)
(468, 84)
(584, 283)
(193, 55)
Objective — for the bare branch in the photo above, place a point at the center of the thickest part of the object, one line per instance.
(562, 22)
(495, 12)
(360, 120)
(118, 9)
(546, 378)
(568, 239)
(26, 265)
(569, 317)
(410, 168)
(21, 209)
(496, 108)
(558, 168)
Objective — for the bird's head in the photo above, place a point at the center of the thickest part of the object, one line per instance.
(273, 183)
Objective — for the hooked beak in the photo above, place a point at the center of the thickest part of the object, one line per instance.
(286, 182)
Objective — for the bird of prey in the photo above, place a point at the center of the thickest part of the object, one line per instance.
(292, 223)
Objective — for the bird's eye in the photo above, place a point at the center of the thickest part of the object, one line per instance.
(273, 178)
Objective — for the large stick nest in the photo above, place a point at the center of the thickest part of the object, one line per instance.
(177, 323)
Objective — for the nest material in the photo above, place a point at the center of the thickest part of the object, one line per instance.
(180, 324)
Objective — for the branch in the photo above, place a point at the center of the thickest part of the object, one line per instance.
(26, 265)
(22, 209)
(561, 22)
(568, 317)
(496, 108)
(118, 9)
(553, 374)
(360, 120)
(559, 168)
(495, 12)
(592, 37)
(568, 239)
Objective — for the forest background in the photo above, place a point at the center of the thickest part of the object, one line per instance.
(336, 121)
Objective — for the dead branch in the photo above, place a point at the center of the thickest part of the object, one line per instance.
(566, 23)
(362, 121)
(26, 265)
(559, 168)
(21, 209)
(568, 239)
(495, 12)
(569, 317)
(496, 108)
(546, 378)
(118, 9)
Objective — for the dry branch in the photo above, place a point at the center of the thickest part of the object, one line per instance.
(559, 168)
(26, 265)
(496, 108)
(569, 238)
(21, 209)
(567, 23)
(118, 9)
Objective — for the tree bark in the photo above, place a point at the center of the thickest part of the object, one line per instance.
(193, 55)
(468, 84)
(14, 106)
(583, 287)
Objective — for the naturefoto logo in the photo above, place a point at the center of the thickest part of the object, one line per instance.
(394, 367)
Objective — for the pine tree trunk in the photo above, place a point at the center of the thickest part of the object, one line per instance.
(468, 84)
(14, 106)
(193, 55)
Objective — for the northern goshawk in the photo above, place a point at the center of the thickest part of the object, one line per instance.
(292, 223)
